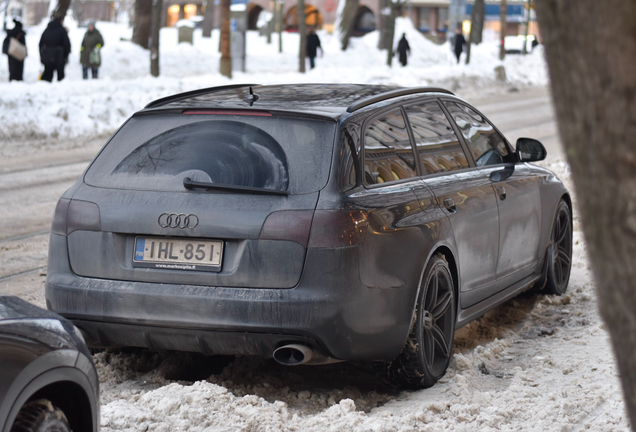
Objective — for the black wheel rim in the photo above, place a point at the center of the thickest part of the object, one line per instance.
(437, 321)
(562, 248)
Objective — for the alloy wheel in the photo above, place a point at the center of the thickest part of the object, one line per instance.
(562, 247)
(437, 321)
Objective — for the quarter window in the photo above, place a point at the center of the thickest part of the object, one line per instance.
(349, 154)
(388, 155)
(437, 145)
(487, 146)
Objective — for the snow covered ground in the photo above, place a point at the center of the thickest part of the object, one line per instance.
(36, 113)
(535, 363)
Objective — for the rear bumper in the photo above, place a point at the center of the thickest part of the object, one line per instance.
(208, 342)
(330, 310)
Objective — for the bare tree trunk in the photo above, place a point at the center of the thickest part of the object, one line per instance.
(279, 23)
(347, 22)
(477, 17)
(61, 8)
(390, 33)
(525, 40)
(271, 24)
(383, 20)
(226, 56)
(157, 6)
(594, 89)
(208, 19)
(477, 23)
(142, 23)
(503, 11)
(302, 31)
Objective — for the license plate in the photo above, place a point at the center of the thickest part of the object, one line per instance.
(178, 254)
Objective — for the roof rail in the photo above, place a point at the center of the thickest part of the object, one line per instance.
(176, 97)
(393, 94)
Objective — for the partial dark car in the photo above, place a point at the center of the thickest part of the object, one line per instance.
(48, 380)
(309, 223)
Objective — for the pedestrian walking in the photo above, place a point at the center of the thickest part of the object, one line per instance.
(313, 43)
(459, 43)
(90, 55)
(15, 50)
(54, 49)
(403, 49)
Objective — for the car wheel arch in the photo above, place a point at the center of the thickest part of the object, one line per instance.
(55, 385)
(449, 257)
(568, 201)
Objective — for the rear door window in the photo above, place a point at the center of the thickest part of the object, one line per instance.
(487, 146)
(388, 155)
(158, 152)
(436, 144)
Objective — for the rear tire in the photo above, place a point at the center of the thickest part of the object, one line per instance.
(560, 252)
(40, 416)
(429, 347)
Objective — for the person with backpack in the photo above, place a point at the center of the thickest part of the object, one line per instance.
(54, 49)
(16, 59)
(90, 55)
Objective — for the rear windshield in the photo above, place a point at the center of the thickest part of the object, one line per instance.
(157, 152)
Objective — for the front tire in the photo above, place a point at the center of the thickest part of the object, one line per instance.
(429, 347)
(40, 416)
(560, 252)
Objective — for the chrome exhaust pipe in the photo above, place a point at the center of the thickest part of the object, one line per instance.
(297, 354)
(294, 354)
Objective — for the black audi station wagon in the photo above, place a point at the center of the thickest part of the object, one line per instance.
(310, 223)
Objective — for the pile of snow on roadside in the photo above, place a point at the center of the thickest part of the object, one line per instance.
(43, 114)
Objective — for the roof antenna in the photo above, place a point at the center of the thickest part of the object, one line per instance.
(252, 97)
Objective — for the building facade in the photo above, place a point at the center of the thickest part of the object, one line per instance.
(429, 16)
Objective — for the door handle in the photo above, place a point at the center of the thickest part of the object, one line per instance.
(501, 191)
(449, 203)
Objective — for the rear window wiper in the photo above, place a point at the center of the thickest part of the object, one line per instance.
(188, 183)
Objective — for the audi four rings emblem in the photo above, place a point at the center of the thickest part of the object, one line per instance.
(178, 220)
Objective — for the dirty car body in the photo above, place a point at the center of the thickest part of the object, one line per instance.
(219, 222)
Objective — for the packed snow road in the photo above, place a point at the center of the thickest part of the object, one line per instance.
(535, 363)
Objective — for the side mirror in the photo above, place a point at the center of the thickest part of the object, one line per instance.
(530, 150)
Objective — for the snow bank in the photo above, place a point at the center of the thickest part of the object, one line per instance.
(46, 114)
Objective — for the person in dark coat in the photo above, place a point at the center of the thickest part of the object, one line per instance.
(459, 43)
(313, 43)
(16, 67)
(54, 49)
(90, 55)
(403, 49)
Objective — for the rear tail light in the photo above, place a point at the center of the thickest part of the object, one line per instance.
(293, 225)
(338, 228)
(59, 218)
(72, 215)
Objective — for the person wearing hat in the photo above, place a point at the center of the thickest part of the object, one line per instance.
(90, 56)
(54, 49)
(16, 67)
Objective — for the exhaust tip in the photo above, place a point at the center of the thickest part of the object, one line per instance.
(292, 355)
